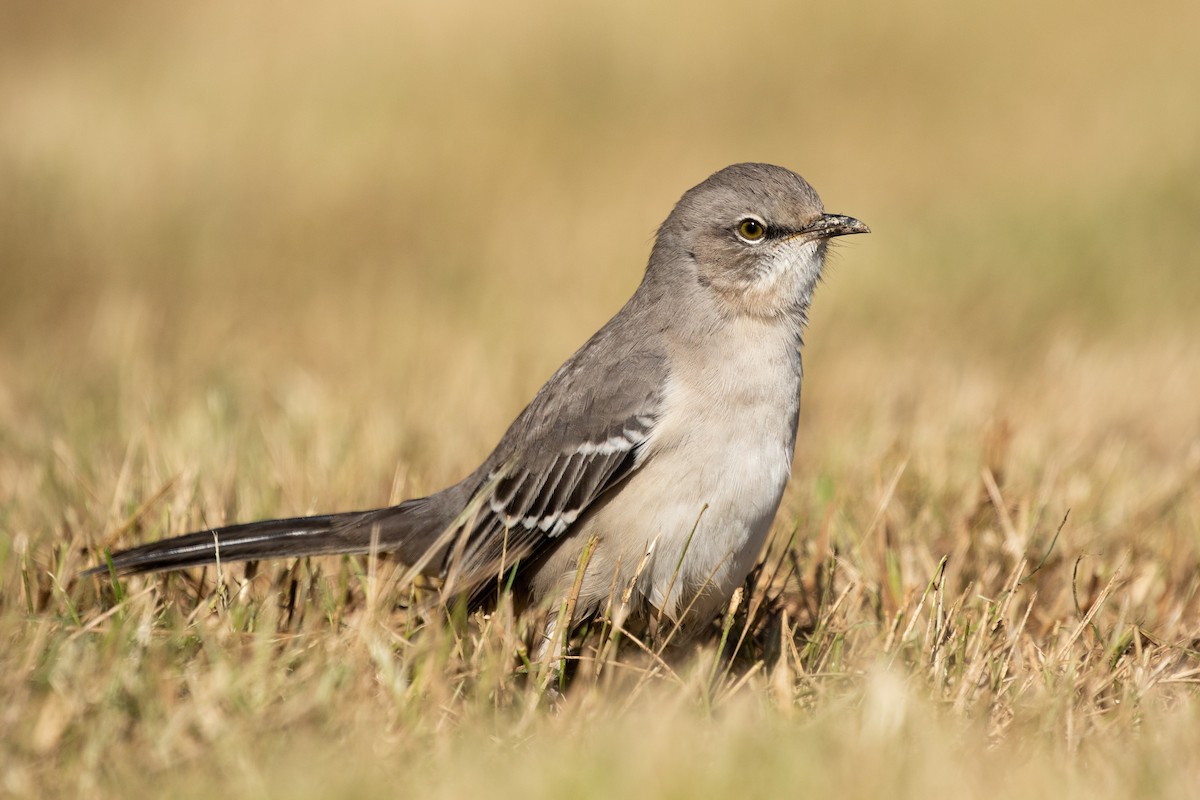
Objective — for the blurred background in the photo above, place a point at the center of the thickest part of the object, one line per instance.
(294, 246)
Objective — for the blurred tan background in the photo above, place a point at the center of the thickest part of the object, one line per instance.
(322, 241)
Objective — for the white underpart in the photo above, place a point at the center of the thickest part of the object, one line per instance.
(716, 464)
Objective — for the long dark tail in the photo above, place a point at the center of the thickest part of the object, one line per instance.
(408, 529)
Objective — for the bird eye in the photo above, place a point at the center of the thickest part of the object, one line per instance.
(751, 229)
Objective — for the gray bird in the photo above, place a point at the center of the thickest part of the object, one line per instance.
(661, 447)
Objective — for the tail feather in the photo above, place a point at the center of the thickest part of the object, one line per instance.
(408, 529)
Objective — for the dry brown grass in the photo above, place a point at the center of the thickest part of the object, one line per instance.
(272, 261)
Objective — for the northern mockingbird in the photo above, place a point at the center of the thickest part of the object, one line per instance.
(659, 451)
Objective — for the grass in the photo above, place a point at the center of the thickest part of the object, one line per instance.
(259, 263)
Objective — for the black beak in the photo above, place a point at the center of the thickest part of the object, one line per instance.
(828, 226)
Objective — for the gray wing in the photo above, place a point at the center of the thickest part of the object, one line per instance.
(584, 432)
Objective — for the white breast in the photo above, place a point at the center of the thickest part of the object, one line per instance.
(706, 495)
